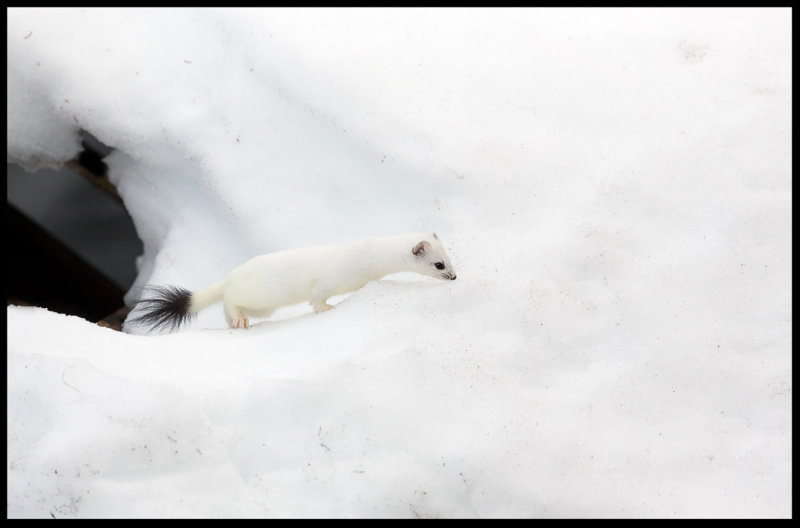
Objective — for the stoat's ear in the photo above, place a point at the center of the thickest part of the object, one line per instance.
(420, 248)
(436, 236)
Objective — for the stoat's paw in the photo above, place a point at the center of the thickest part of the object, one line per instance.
(240, 322)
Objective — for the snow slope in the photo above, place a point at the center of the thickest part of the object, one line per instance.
(613, 188)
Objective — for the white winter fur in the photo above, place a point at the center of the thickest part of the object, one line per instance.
(267, 282)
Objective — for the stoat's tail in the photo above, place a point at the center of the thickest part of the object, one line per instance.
(172, 306)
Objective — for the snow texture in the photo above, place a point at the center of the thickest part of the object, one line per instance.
(613, 187)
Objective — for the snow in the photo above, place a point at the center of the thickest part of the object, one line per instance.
(613, 188)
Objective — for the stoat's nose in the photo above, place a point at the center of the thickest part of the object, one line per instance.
(453, 277)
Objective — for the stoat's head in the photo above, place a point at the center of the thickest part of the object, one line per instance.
(431, 259)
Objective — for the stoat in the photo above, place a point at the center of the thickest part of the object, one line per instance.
(267, 282)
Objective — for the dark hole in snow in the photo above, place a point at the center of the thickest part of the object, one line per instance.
(73, 249)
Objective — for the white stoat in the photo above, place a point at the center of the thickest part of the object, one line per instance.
(266, 282)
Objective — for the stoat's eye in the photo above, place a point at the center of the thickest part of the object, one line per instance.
(439, 265)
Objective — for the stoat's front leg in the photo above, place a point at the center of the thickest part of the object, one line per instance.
(319, 298)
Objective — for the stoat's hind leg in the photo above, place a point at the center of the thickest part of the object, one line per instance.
(319, 298)
(235, 316)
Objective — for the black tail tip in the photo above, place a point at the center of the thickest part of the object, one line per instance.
(168, 307)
